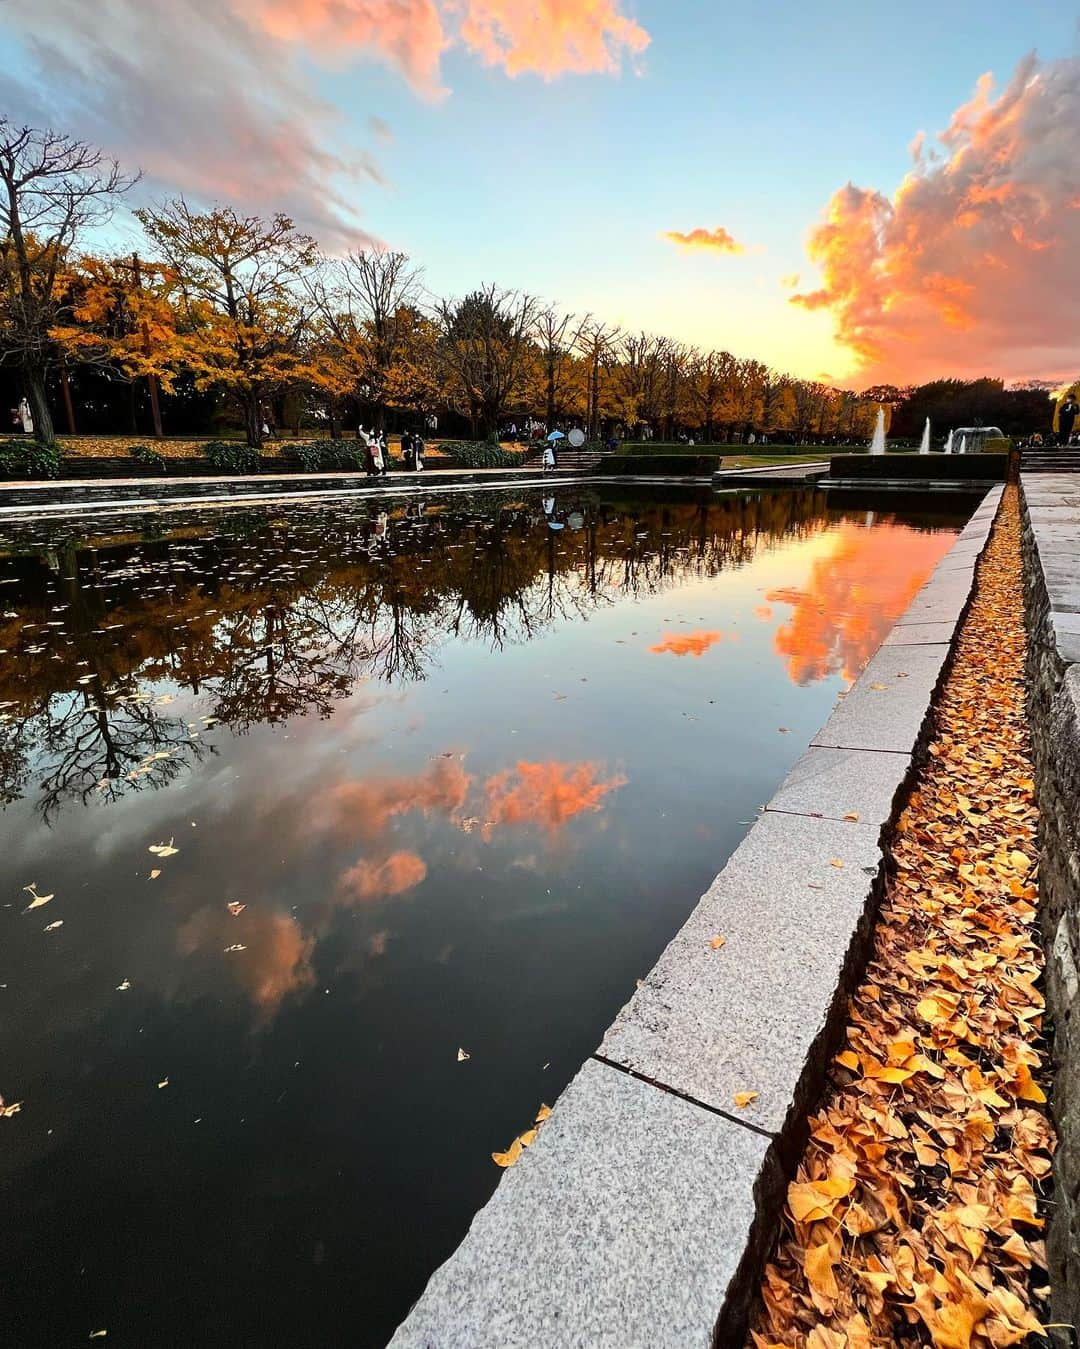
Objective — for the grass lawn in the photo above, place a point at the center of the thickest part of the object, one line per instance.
(768, 460)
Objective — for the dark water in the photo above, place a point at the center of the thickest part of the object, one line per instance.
(465, 773)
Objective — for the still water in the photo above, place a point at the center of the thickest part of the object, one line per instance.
(328, 797)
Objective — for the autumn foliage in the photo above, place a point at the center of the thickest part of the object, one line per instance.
(915, 1213)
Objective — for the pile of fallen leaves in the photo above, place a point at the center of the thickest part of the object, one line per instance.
(914, 1217)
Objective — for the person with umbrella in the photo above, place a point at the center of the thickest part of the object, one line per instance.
(553, 442)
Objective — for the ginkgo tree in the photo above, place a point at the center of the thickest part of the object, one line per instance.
(244, 320)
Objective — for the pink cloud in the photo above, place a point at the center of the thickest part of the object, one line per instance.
(550, 37)
(965, 269)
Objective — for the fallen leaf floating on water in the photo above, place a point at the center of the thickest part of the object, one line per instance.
(163, 849)
(98, 1334)
(51, 927)
(155, 873)
(914, 1216)
(123, 988)
(718, 941)
(163, 1083)
(236, 946)
(7, 1111)
(235, 907)
(462, 1056)
(37, 900)
(744, 1098)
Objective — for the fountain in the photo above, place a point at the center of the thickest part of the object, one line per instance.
(877, 445)
(948, 443)
(924, 446)
(963, 445)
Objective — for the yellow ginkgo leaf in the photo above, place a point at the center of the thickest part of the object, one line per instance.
(744, 1098)
(718, 941)
(543, 1113)
(510, 1156)
(528, 1138)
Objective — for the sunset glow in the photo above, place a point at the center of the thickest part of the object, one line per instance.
(894, 215)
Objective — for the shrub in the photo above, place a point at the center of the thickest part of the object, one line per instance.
(473, 454)
(230, 456)
(29, 459)
(149, 458)
(314, 455)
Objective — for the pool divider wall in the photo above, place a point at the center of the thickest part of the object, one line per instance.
(642, 1214)
(1051, 508)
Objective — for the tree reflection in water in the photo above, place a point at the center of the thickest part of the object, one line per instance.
(269, 614)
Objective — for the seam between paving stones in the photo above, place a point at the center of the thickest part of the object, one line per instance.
(683, 1096)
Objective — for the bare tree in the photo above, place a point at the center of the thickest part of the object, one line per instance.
(368, 302)
(555, 350)
(52, 189)
(595, 341)
(484, 344)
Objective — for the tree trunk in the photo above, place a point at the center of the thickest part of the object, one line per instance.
(333, 421)
(69, 409)
(253, 423)
(44, 432)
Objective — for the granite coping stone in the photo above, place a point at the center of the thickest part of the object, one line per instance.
(886, 707)
(833, 784)
(747, 1017)
(920, 634)
(622, 1227)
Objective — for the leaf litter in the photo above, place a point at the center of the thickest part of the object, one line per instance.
(916, 1212)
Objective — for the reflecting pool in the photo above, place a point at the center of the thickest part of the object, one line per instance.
(334, 836)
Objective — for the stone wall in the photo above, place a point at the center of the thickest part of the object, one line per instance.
(1054, 714)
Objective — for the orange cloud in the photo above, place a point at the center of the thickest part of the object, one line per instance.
(366, 880)
(551, 37)
(363, 809)
(547, 794)
(963, 270)
(852, 598)
(277, 955)
(715, 241)
(694, 643)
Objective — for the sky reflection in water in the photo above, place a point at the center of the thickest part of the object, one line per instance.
(437, 779)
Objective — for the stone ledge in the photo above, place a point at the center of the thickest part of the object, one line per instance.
(573, 1249)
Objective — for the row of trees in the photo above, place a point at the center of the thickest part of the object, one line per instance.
(250, 313)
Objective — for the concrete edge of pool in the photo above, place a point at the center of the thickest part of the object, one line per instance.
(644, 1210)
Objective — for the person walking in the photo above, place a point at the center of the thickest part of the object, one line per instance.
(418, 452)
(1067, 415)
(549, 459)
(407, 451)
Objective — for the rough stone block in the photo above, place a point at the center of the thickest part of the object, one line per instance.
(622, 1226)
(752, 1015)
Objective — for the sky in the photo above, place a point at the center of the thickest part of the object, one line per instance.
(847, 191)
